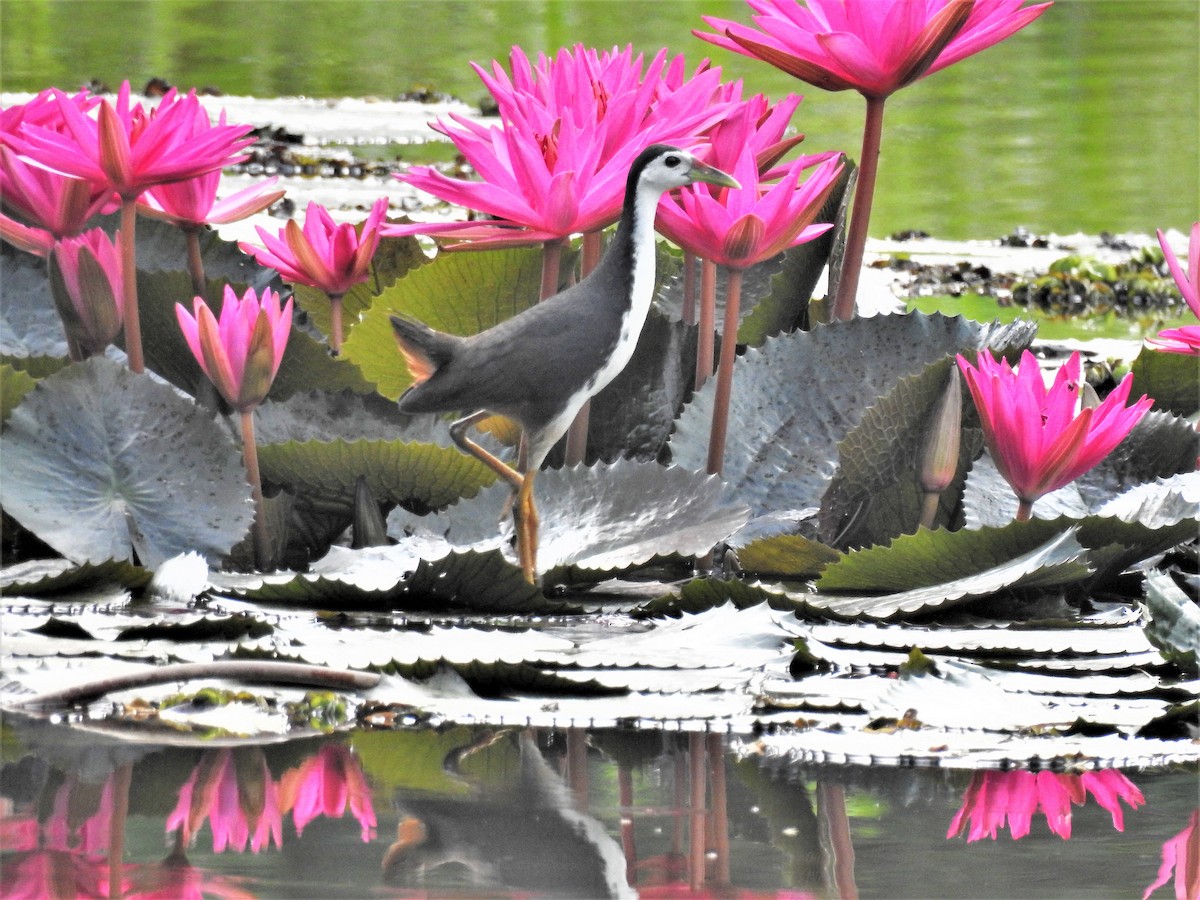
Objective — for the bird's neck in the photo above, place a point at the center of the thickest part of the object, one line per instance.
(631, 253)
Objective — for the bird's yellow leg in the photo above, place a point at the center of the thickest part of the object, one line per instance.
(525, 517)
(458, 431)
(525, 523)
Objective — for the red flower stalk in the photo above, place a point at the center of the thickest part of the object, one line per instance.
(241, 354)
(323, 254)
(1040, 439)
(874, 47)
(1185, 339)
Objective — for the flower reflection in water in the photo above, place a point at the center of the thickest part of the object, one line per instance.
(324, 785)
(234, 791)
(994, 799)
(1181, 853)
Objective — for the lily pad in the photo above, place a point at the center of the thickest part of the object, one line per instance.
(103, 464)
(395, 471)
(876, 494)
(14, 385)
(1174, 626)
(783, 433)
(1172, 379)
(593, 519)
(460, 293)
(41, 577)
(937, 569)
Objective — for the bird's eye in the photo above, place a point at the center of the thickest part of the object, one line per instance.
(671, 161)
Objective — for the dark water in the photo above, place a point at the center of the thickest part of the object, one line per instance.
(1084, 121)
(510, 812)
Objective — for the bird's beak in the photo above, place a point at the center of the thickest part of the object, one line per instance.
(710, 175)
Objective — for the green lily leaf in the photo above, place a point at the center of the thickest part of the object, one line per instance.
(388, 578)
(396, 471)
(938, 569)
(42, 577)
(101, 463)
(1174, 626)
(634, 415)
(593, 519)
(14, 385)
(876, 493)
(324, 416)
(1172, 379)
(786, 555)
(31, 334)
(393, 259)
(461, 293)
(783, 432)
(702, 594)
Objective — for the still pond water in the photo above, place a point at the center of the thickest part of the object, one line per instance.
(470, 812)
(1085, 121)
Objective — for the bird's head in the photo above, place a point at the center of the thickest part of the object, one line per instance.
(666, 167)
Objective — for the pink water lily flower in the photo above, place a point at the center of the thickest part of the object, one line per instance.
(1041, 439)
(323, 253)
(130, 149)
(874, 47)
(739, 227)
(193, 203)
(1186, 338)
(86, 281)
(57, 205)
(995, 799)
(241, 352)
(571, 126)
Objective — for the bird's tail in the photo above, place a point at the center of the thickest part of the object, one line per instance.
(425, 350)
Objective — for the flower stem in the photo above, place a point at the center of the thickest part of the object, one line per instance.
(860, 216)
(929, 508)
(122, 780)
(262, 541)
(133, 324)
(689, 288)
(551, 263)
(707, 326)
(335, 336)
(195, 263)
(720, 422)
(1024, 510)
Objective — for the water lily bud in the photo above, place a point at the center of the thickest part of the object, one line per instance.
(1088, 398)
(86, 281)
(939, 455)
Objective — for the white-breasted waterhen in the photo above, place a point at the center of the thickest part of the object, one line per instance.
(539, 367)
